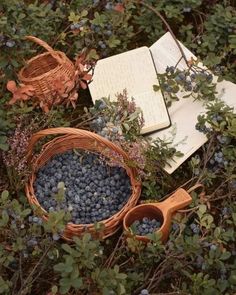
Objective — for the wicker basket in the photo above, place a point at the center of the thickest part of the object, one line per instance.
(86, 140)
(43, 70)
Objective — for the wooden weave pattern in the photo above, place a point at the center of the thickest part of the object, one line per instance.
(42, 70)
(89, 141)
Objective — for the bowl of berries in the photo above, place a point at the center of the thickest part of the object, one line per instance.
(93, 191)
(148, 218)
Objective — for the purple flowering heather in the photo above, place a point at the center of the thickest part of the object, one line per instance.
(18, 143)
(135, 151)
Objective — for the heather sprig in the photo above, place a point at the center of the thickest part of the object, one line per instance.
(113, 118)
(15, 158)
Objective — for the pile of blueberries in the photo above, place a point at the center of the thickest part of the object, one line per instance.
(145, 226)
(93, 191)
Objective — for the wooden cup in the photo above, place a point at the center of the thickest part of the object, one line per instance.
(161, 211)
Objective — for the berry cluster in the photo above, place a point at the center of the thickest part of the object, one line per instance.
(77, 26)
(103, 127)
(93, 190)
(6, 41)
(218, 160)
(106, 30)
(146, 226)
(196, 82)
(102, 124)
(195, 228)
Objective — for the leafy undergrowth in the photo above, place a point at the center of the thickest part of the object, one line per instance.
(200, 254)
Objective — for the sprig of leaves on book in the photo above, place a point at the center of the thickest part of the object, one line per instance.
(112, 119)
(195, 82)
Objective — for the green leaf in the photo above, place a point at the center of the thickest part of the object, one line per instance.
(4, 218)
(113, 42)
(232, 279)
(92, 55)
(54, 289)
(64, 289)
(4, 195)
(73, 17)
(4, 147)
(26, 212)
(122, 289)
(217, 232)
(156, 87)
(202, 209)
(59, 267)
(77, 283)
(225, 255)
(84, 13)
(67, 248)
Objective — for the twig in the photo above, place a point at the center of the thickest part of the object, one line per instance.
(20, 269)
(33, 270)
(150, 7)
(109, 260)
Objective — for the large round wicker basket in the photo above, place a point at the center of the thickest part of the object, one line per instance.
(42, 70)
(89, 141)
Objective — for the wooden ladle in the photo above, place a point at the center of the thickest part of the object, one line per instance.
(161, 211)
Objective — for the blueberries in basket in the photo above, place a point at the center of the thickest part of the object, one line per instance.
(145, 226)
(84, 185)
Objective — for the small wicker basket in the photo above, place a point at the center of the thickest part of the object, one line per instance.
(89, 141)
(42, 70)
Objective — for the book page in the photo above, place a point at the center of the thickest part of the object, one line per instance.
(134, 71)
(184, 112)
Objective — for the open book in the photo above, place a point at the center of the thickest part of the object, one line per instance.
(135, 71)
(184, 112)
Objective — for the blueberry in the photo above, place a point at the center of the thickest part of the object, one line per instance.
(144, 292)
(181, 76)
(213, 247)
(109, 6)
(170, 69)
(35, 219)
(108, 33)
(187, 9)
(10, 43)
(55, 237)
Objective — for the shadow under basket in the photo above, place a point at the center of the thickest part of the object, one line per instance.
(71, 139)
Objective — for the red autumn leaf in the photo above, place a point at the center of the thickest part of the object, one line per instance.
(87, 77)
(83, 85)
(27, 89)
(11, 86)
(19, 93)
(44, 107)
(119, 7)
(69, 85)
(81, 67)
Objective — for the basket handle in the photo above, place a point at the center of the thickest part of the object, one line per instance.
(68, 130)
(45, 46)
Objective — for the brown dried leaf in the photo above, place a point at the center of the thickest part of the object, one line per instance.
(11, 86)
(83, 85)
(87, 77)
(119, 7)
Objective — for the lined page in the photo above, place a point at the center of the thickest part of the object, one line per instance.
(134, 71)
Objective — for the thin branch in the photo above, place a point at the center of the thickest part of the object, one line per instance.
(109, 260)
(27, 280)
(150, 7)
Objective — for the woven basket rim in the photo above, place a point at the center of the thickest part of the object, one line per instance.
(71, 228)
(44, 75)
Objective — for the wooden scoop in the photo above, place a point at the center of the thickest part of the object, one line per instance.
(161, 211)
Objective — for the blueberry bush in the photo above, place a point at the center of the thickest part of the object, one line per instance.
(200, 254)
